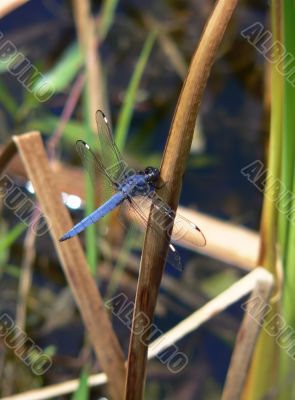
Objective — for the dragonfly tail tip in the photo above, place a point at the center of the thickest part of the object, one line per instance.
(63, 238)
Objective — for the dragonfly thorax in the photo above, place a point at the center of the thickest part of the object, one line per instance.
(139, 184)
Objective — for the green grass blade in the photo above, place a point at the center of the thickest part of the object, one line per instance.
(107, 17)
(289, 120)
(287, 228)
(91, 232)
(130, 97)
(10, 236)
(73, 130)
(5, 63)
(11, 270)
(7, 238)
(121, 263)
(82, 393)
(263, 369)
(64, 71)
(7, 100)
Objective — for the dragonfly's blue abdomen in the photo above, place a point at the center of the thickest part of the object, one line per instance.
(96, 215)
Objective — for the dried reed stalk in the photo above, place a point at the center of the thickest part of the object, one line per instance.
(26, 273)
(6, 6)
(172, 169)
(89, 301)
(247, 338)
(58, 389)
(258, 282)
(88, 43)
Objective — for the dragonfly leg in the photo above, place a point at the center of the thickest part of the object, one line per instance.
(160, 186)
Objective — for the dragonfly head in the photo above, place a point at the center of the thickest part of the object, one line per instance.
(152, 174)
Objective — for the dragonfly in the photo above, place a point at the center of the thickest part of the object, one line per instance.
(137, 190)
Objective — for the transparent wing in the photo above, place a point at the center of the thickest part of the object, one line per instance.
(102, 181)
(179, 227)
(92, 162)
(111, 158)
(103, 185)
(141, 216)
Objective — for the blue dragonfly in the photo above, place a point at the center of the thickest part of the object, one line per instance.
(136, 189)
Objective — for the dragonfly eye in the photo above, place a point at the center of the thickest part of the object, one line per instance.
(152, 173)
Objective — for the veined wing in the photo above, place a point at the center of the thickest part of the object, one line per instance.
(102, 181)
(111, 158)
(92, 162)
(167, 223)
(141, 214)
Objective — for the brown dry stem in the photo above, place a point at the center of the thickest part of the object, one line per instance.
(247, 337)
(258, 282)
(88, 44)
(172, 169)
(6, 6)
(87, 296)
